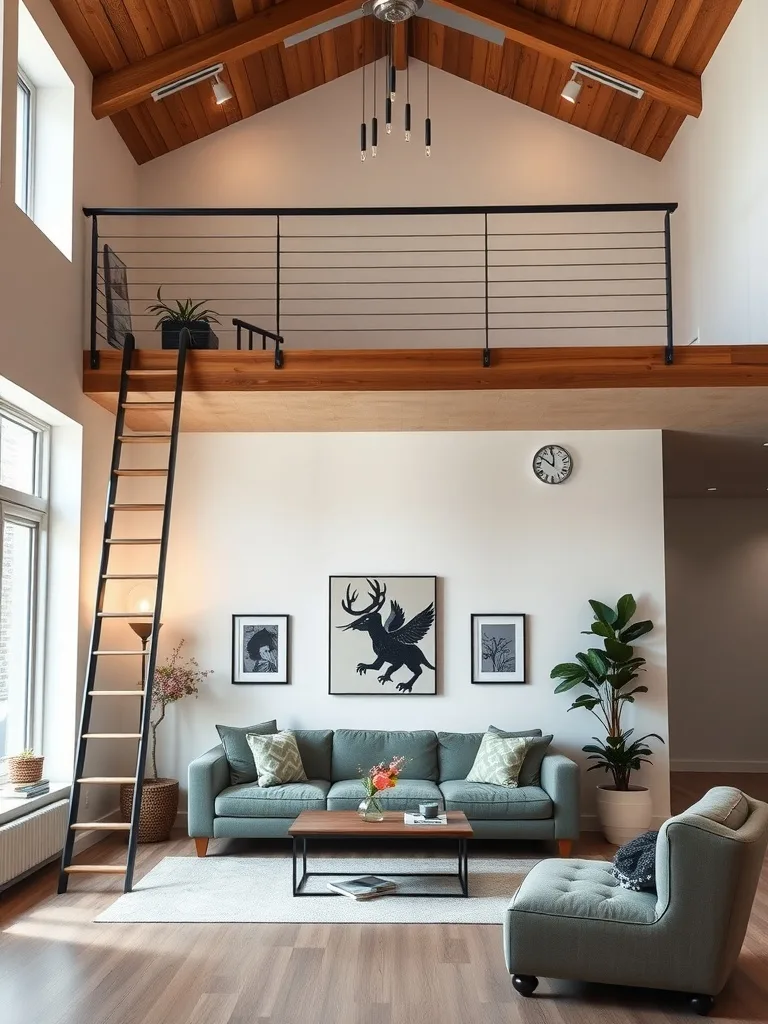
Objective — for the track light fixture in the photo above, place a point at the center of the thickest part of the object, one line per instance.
(572, 88)
(189, 80)
(221, 91)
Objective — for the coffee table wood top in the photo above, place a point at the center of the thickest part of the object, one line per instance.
(349, 823)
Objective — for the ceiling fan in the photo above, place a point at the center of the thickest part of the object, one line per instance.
(395, 11)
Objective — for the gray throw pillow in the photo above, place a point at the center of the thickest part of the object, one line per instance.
(530, 773)
(277, 758)
(241, 764)
(499, 760)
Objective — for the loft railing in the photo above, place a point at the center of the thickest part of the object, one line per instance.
(390, 277)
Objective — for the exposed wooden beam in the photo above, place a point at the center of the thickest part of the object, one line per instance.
(678, 89)
(118, 90)
(400, 45)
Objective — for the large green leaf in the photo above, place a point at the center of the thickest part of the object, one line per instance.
(626, 608)
(617, 651)
(601, 629)
(597, 662)
(565, 668)
(568, 684)
(635, 630)
(603, 612)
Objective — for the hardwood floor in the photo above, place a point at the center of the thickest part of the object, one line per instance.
(58, 967)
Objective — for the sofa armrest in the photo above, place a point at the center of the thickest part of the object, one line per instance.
(560, 780)
(208, 776)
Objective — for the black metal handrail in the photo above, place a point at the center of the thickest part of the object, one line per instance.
(252, 329)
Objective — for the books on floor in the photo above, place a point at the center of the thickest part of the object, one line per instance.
(410, 818)
(365, 887)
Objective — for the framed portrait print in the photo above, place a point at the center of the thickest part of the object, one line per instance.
(382, 635)
(498, 648)
(260, 649)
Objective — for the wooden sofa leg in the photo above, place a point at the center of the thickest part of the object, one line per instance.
(201, 845)
(564, 846)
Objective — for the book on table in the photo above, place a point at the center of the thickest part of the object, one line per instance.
(31, 785)
(365, 887)
(410, 818)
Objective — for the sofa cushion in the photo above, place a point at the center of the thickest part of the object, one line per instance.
(252, 801)
(530, 772)
(457, 751)
(242, 767)
(315, 747)
(723, 805)
(480, 800)
(499, 760)
(347, 794)
(358, 749)
(277, 758)
(583, 889)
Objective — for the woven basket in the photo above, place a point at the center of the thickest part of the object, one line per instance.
(23, 771)
(159, 804)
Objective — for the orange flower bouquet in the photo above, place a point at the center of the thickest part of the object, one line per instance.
(380, 777)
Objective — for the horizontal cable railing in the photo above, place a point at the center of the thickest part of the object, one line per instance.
(388, 278)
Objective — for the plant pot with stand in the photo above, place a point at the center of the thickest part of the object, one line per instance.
(172, 318)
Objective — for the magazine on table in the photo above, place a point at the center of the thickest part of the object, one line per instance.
(412, 818)
(365, 887)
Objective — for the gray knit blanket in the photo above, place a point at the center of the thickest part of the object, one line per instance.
(634, 865)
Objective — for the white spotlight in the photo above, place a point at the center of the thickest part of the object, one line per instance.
(572, 89)
(221, 91)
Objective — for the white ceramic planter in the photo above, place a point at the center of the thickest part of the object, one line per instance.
(624, 814)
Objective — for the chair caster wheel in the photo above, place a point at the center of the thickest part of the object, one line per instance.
(702, 1004)
(525, 984)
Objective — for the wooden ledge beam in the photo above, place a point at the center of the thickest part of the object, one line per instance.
(125, 87)
(677, 89)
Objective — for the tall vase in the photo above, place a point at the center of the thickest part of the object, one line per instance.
(370, 809)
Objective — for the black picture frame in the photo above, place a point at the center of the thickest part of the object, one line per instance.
(509, 677)
(388, 689)
(264, 623)
(116, 296)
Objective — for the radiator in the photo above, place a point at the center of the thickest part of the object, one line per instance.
(27, 842)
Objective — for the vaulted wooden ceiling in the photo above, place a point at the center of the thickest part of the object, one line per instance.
(131, 46)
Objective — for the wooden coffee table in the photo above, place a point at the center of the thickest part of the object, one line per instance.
(349, 825)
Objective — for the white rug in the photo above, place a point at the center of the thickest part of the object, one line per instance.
(258, 889)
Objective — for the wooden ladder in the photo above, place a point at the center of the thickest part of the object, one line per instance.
(90, 693)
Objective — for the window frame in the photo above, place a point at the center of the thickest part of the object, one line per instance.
(31, 510)
(27, 166)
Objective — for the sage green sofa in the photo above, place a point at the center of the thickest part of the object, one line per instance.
(571, 918)
(545, 807)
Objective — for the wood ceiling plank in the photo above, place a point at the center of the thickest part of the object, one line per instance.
(586, 19)
(142, 114)
(330, 60)
(104, 33)
(495, 62)
(79, 28)
(650, 127)
(607, 20)
(145, 28)
(466, 50)
(257, 76)
(526, 66)
(506, 75)
(677, 30)
(161, 116)
(289, 61)
(306, 65)
(716, 16)
(553, 99)
(436, 45)
(545, 67)
(318, 68)
(204, 14)
(617, 113)
(181, 15)
(450, 62)
(666, 134)
(400, 34)
(176, 110)
(129, 85)
(345, 56)
(676, 88)
(160, 14)
(479, 61)
(630, 15)
(196, 112)
(120, 14)
(273, 68)
(132, 137)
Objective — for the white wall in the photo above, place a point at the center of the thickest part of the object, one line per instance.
(719, 163)
(717, 608)
(42, 335)
(279, 513)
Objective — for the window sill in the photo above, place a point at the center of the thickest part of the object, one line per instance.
(13, 806)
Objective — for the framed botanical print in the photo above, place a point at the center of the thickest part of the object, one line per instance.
(382, 635)
(498, 648)
(260, 648)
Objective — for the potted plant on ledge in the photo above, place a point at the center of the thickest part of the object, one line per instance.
(160, 797)
(25, 768)
(172, 319)
(624, 810)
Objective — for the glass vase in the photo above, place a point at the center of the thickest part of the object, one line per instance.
(370, 809)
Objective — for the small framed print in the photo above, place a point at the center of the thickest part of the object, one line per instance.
(260, 649)
(498, 648)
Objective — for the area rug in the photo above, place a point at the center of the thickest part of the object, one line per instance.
(258, 889)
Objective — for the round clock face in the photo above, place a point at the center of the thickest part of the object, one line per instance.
(552, 464)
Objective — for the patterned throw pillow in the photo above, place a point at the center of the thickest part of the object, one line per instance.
(277, 758)
(499, 760)
(530, 773)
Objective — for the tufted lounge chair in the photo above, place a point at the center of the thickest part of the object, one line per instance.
(571, 918)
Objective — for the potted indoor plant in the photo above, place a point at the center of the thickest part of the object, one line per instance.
(25, 768)
(173, 318)
(174, 680)
(624, 810)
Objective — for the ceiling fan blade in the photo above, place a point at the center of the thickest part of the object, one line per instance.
(327, 26)
(461, 22)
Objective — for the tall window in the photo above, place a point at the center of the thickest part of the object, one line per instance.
(23, 522)
(25, 141)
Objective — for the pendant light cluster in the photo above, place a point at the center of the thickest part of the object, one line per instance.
(390, 84)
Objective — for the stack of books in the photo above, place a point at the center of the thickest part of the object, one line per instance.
(419, 819)
(34, 789)
(364, 888)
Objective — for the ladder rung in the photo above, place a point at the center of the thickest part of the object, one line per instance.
(144, 438)
(102, 826)
(117, 693)
(133, 654)
(147, 405)
(170, 372)
(111, 735)
(132, 507)
(125, 615)
(133, 540)
(141, 472)
(106, 780)
(129, 576)
(96, 869)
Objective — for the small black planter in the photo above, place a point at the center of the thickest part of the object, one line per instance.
(202, 335)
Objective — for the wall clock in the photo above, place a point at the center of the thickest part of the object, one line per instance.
(552, 464)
